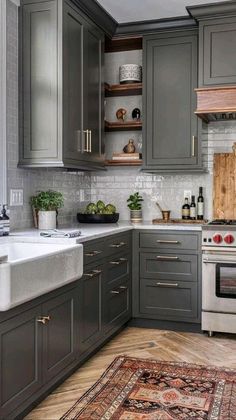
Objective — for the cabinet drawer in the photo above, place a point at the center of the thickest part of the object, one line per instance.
(169, 241)
(168, 299)
(118, 305)
(118, 243)
(168, 266)
(93, 251)
(118, 268)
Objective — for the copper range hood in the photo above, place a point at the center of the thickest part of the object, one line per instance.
(216, 103)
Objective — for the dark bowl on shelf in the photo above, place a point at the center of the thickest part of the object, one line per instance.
(97, 218)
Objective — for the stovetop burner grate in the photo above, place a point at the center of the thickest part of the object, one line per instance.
(222, 222)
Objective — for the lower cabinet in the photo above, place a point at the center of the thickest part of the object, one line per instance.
(166, 278)
(59, 337)
(90, 307)
(44, 340)
(168, 299)
(36, 345)
(104, 290)
(21, 361)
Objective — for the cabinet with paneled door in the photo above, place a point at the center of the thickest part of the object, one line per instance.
(217, 43)
(38, 345)
(62, 87)
(171, 132)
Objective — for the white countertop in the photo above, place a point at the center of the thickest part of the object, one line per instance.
(95, 231)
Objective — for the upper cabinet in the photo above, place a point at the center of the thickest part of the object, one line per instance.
(62, 87)
(217, 43)
(171, 132)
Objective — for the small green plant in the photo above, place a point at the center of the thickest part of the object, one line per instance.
(135, 201)
(47, 200)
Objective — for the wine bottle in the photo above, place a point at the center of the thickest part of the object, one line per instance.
(186, 209)
(193, 208)
(200, 205)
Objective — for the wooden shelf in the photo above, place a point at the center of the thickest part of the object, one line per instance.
(123, 126)
(118, 44)
(137, 162)
(123, 90)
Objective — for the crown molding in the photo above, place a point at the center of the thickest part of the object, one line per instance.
(213, 10)
(98, 14)
(150, 26)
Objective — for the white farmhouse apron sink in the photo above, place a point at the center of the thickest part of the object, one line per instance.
(32, 269)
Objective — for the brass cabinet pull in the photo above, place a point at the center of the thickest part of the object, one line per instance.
(86, 132)
(90, 140)
(160, 241)
(118, 245)
(167, 284)
(167, 258)
(93, 274)
(44, 319)
(120, 261)
(93, 253)
(193, 146)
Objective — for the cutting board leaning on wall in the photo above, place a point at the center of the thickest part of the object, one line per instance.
(224, 195)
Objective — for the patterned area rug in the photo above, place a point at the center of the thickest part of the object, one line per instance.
(137, 389)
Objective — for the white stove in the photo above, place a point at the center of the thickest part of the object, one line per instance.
(219, 276)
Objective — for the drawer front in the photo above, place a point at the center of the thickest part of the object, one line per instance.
(169, 241)
(118, 243)
(172, 300)
(93, 251)
(118, 305)
(118, 268)
(162, 266)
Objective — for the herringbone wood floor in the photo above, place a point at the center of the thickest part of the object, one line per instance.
(219, 350)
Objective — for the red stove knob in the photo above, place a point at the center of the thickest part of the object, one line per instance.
(229, 239)
(217, 238)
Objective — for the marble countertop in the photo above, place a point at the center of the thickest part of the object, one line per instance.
(95, 231)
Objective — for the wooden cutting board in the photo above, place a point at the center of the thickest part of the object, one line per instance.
(224, 188)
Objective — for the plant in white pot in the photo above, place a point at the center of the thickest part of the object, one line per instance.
(45, 206)
(135, 205)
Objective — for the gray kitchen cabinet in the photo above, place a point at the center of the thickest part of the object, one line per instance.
(61, 84)
(171, 129)
(166, 279)
(217, 43)
(217, 60)
(168, 300)
(104, 290)
(20, 355)
(59, 334)
(90, 307)
(37, 347)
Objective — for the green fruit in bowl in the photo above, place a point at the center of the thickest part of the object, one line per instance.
(91, 208)
(100, 206)
(110, 209)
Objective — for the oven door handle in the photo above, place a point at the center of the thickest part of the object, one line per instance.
(218, 262)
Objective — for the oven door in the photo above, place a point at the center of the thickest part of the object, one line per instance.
(219, 284)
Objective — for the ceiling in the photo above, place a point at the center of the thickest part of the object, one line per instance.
(137, 10)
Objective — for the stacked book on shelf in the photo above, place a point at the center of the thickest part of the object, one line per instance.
(126, 156)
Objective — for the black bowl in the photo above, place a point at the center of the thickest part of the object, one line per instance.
(97, 218)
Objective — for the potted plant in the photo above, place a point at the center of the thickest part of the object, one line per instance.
(45, 207)
(135, 205)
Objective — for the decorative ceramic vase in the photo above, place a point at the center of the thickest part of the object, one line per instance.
(46, 220)
(130, 73)
(130, 147)
(136, 216)
(136, 114)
